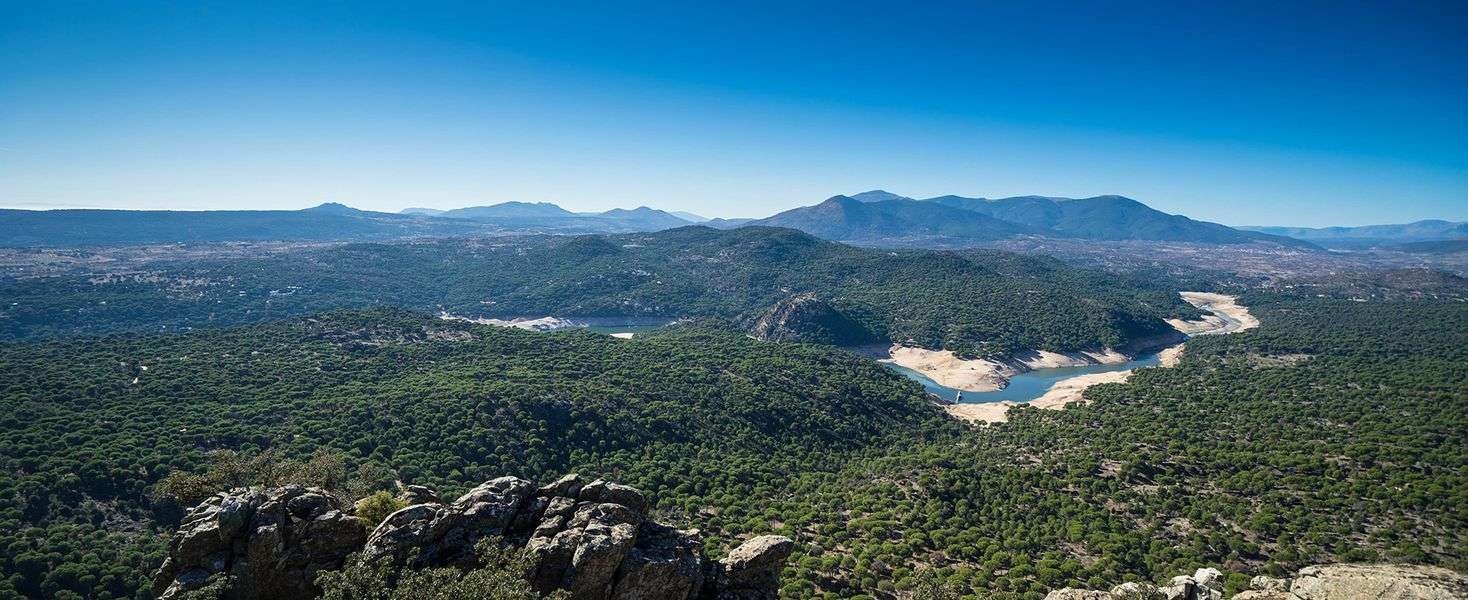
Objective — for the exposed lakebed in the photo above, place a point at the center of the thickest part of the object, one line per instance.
(621, 327)
(996, 386)
(1024, 386)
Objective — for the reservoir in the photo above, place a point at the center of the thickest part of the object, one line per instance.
(1025, 386)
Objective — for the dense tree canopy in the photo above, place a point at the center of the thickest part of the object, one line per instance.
(977, 303)
(1336, 431)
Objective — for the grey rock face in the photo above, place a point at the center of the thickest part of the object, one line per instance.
(445, 535)
(1378, 582)
(270, 543)
(1319, 582)
(1137, 591)
(664, 564)
(1265, 583)
(752, 571)
(593, 540)
(417, 494)
(1077, 594)
(806, 318)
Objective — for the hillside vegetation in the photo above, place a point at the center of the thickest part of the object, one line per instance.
(985, 304)
(1334, 432)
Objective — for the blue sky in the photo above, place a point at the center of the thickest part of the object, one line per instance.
(1291, 113)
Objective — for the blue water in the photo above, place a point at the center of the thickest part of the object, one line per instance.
(1025, 386)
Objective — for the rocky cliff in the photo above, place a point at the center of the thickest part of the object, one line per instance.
(1319, 582)
(806, 318)
(592, 539)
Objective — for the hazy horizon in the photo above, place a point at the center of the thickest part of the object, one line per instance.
(1308, 114)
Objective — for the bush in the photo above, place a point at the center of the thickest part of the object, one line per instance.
(373, 509)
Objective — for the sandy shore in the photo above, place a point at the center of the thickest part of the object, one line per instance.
(981, 375)
(1228, 317)
(948, 370)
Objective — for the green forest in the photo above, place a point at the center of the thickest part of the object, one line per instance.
(975, 303)
(1336, 431)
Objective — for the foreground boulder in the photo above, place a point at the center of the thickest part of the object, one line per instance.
(263, 543)
(1319, 582)
(592, 539)
(1369, 582)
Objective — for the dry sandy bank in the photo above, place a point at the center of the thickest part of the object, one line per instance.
(983, 375)
(1228, 317)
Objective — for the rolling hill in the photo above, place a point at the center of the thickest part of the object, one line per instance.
(327, 222)
(895, 222)
(1106, 218)
(979, 303)
(545, 217)
(1431, 230)
(882, 218)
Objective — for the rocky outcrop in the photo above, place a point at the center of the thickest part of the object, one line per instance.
(1371, 582)
(266, 544)
(1077, 594)
(593, 539)
(1320, 582)
(806, 318)
(752, 571)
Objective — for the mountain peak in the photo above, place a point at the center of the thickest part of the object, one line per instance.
(877, 196)
(334, 208)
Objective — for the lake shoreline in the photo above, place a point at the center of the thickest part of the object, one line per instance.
(980, 375)
(1228, 316)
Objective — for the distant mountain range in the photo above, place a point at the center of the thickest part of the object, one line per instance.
(901, 222)
(873, 218)
(327, 222)
(548, 217)
(1432, 230)
(879, 217)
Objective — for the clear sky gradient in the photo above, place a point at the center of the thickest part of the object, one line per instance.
(1288, 113)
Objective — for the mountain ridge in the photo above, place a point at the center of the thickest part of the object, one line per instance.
(901, 222)
(1363, 236)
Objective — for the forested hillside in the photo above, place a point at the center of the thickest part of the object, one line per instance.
(984, 303)
(91, 425)
(1334, 432)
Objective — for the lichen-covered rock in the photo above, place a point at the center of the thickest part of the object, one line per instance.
(1319, 582)
(1137, 591)
(752, 571)
(1265, 583)
(1203, 584)
(593, 540)
(1378, 582)
(1265, 595)
(417, 494)
(267, 543)
(607, 492)
(1077, 594)
(437, 535)
(664, 564)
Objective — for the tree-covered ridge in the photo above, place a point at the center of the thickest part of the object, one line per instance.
(91, 425)
(1334, 432)
(980, 303)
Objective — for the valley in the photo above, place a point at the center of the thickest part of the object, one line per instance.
(729, 374)
(881, 486)
(582, 301)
